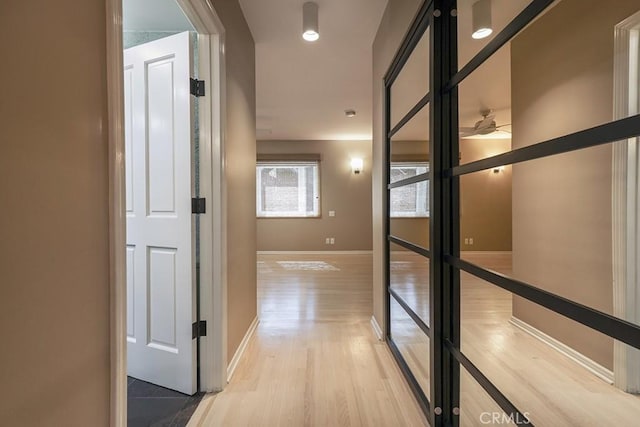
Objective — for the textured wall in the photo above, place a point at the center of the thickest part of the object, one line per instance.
(54, 235)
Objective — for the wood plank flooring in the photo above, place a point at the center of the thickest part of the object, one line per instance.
(551, 389)
(315, 362)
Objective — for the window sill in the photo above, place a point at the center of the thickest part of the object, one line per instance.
(289, 217)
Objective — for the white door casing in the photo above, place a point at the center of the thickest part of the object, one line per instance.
(626, 201)
(158, 181)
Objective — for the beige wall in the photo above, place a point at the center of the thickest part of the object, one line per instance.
(485, 199)
(54, 255)
(393, 26)
(342, 191)
(240, 167)
(562, 205)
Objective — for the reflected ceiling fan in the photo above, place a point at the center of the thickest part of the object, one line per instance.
(483, 127)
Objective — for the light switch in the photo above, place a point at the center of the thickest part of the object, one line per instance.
(332, 213)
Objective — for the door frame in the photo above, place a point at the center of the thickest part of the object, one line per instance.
(625, 202)
(213, 275)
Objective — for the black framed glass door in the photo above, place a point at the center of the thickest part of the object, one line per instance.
(469, 327)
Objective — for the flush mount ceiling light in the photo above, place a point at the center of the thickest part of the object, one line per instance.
(350, 113)
(310, 21)
(481, 17)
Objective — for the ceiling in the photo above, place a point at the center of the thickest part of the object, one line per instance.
(304, 88)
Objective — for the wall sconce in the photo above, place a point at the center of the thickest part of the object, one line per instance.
(498, 169)
(356, 165)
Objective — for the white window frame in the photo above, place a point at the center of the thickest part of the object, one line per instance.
(422, 193)
(302, 189)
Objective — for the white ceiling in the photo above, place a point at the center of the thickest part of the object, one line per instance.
(303, 88)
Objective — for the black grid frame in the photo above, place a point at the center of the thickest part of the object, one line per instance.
(439, 18)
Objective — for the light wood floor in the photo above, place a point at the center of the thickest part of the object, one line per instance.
(314, 359)
(550, 388)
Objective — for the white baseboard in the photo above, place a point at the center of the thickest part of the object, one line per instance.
(314, 252)
(376, 329)
(592, 366)
(241, 348)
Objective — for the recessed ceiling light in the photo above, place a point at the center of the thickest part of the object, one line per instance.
(350, 113)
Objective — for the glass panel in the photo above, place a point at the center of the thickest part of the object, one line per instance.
(485, 211)
(484, 109)
(478, 408)
(515, 344)
(409, 274)
(409, 216)
(501, 12)
(411, 142)
(575, 91)
(553, 217)
(412, 82)
(406, 170)
(412, 343)
(410, 201)
(509, 97)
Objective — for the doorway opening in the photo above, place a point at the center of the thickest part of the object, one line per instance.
(161, 174)
(178, 161)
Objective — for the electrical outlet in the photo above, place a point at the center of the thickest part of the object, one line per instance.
(471, 240)
(333, 240)
(327, 241)
(466, 240)
(332, 213)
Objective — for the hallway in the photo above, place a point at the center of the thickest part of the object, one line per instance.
(314, 359)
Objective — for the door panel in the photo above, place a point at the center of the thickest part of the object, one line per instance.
(162, 298)
(160, 253)
(161, 160)
(131, 268)
(128, 137)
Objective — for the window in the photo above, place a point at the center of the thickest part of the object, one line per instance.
(409, 201)
(288, 189)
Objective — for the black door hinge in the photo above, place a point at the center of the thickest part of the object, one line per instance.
(199, 329)
(197, 87)
(198, 205)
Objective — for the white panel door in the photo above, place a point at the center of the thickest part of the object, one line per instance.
(160, 260)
